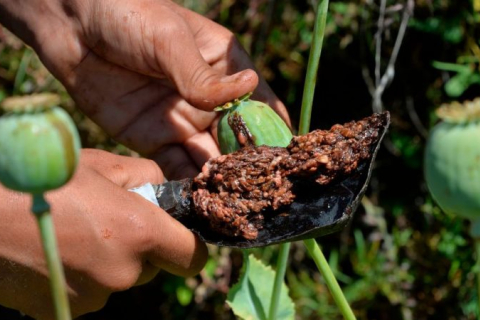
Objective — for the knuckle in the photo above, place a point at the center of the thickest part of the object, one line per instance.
(155, 171)
(200, 75)
(228, 37)
(202, 80)
(91, 157)
(223, 35)
(88, 155)
(181, 171)
(173, 30)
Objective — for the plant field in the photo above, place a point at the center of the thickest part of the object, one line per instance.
(401, 257)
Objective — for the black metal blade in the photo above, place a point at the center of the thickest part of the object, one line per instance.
(175, 197)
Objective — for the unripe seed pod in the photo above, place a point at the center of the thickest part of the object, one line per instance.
(39, 144)
(452, 160)
(248, 122)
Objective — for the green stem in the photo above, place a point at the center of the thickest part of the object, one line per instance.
(279, 276)
(312, 67)
(22, 71)
(332, 284)
(41, 209)
(305, 117)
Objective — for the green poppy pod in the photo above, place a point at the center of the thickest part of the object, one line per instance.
(452, 160)
(248, 122)
(39, 144)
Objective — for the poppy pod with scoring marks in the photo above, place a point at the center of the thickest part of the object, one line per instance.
(246, 122)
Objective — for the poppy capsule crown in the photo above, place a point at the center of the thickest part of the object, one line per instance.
(452, 159)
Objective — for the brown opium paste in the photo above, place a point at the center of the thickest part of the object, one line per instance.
(234, 191)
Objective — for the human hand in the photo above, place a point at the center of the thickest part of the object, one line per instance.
(149, 72)
(110, 239)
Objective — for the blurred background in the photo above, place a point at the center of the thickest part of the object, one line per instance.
(401, 257)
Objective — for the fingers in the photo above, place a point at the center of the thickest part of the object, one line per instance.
(235, 57)
(176, 162)
(185, 160)
(154, 40)
(161, 241)
(158, 240)
(172, 247)
(200, 84)
(202, 146)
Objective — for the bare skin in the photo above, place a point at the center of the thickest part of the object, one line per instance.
(110, 239)
(149, 72)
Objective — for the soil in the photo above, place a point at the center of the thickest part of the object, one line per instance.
(234, 191)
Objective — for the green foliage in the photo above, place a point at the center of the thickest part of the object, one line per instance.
(177, 287)
(411, 149)
(250, 297)
(466, 76)
(184, 295)
(450, 30)
(402, 257)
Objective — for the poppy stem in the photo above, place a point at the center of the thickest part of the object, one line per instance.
(41, 210)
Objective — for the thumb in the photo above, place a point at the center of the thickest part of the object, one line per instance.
(165, 243)
(201, 85)
(205, 88)
(157, 41)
